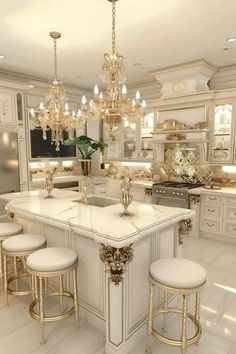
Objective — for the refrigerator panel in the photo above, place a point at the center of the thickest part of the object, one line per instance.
(9, 163)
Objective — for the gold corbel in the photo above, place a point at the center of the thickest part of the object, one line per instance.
(185, 226)
(115, 260)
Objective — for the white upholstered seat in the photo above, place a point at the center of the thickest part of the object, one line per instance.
(23, 243)
(51, 259)
(9, 229)
(178, 273)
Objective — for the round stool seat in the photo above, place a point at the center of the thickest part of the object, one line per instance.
(23, 243)
(9, 229)
(178, 273)
(51, 259)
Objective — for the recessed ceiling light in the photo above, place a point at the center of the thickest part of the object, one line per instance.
(2, 56)
(226, 48)
(231, 39)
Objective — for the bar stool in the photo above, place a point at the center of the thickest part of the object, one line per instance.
(19, 247)
(7, 229)
(179, 277)
(46, 263)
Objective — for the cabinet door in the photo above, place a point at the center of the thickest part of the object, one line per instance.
(146, 146)
(130, 141)
(222, 137)
(7, 108)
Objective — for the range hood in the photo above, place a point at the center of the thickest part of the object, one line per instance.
(185, 79)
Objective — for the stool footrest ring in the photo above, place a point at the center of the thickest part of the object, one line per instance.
(15, 292)
(177, 342)
(52, 318)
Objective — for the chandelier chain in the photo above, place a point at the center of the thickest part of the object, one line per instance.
(113, 26)
(55, 58)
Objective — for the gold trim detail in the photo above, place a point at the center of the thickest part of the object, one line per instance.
(194, 199)
(115, 260)
(185, 226)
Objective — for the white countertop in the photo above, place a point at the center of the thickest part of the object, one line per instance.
(103, 224)
(227, 191)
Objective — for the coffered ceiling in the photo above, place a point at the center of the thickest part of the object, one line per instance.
(151, 34)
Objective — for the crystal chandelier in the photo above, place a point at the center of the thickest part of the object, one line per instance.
(112, 104)
(55, 115)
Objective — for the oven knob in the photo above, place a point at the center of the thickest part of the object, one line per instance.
(173, 193)
(177, 193)
(164, 192)
(181, 193)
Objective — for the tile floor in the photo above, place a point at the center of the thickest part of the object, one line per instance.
(19, 334)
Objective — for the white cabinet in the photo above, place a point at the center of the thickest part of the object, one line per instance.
(7, 108)
(218, 217)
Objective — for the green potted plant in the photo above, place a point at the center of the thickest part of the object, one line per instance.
(87, 147)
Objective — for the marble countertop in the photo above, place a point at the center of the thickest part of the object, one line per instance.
(227, 191)
(102, 224)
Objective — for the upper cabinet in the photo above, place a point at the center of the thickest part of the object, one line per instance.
(222, 141)
(133, 141)
(7, 108)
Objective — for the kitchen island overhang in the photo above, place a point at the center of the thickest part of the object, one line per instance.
(126, 246)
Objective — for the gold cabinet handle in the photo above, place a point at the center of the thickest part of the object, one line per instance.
(210, 224)
(212, 198)
(211, 210)
(234, 228)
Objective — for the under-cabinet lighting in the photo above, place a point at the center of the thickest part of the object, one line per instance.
(35, 165)
(136, 164)
(67, 163)
(229, 169)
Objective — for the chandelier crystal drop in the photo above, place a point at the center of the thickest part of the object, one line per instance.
(55, 115)
(112, 104)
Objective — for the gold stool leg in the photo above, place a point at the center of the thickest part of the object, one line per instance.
(76, 297)
(165, 307)
(41, 310)
(184, 325)
(197, 310)
(61, 291)
(150, 319)
(5, 278)
(16, 272)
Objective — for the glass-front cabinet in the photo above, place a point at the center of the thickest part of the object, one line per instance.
(134, 141)
(222, 148)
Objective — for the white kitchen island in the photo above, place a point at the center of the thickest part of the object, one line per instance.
(116, 299)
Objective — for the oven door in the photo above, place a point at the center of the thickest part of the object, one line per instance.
(170, 201)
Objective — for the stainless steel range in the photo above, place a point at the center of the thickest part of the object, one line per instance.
(173, 193)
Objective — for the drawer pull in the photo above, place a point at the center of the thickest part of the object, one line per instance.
(211, 210)
(102, 192)
(212, 198)
(234, 228)
(210, 224)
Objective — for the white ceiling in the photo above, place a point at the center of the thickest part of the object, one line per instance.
(155, 33)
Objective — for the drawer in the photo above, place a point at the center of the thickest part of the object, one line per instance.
(211, 198)
(100, 191)
(230, 201)
(211, 210)
(230, 213)
(209, 225)
(230, 229)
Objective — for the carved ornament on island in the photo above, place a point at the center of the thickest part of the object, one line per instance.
(115, 260)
